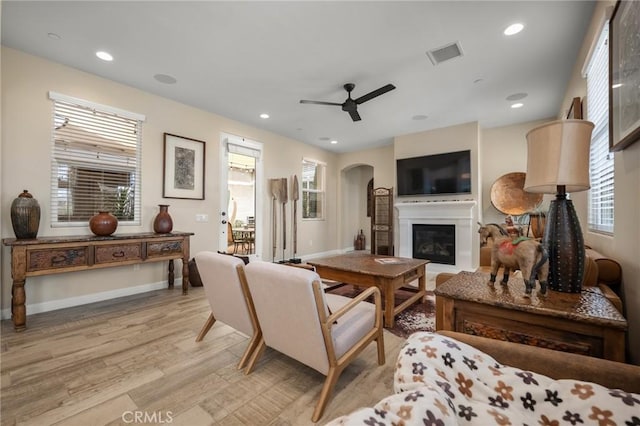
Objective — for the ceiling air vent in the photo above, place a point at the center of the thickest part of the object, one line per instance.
(445, 53)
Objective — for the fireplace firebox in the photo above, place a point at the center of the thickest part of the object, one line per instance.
(436, 243)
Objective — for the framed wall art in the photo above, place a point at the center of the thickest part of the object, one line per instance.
(624, 75)
(575, 110)
(183, 168)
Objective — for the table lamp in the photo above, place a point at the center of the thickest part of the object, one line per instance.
(558, 163)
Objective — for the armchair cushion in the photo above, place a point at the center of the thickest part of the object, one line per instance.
(353, 325)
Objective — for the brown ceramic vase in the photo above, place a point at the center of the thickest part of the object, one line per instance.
(25, 216)
(163, 224)
(103, 224)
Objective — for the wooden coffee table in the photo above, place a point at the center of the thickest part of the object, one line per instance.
(388, 273)
(586, 323)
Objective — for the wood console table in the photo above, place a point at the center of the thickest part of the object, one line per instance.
(53, 255)
(585, 323)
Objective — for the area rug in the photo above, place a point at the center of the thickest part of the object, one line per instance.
(417, 317)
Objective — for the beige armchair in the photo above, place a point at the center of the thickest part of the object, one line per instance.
(323, 331)
(226, 289)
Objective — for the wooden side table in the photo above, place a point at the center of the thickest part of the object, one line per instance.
(585, 323)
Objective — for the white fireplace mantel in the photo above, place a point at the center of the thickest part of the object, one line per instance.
(461, 214)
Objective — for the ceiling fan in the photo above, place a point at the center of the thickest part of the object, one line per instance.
(351, 105)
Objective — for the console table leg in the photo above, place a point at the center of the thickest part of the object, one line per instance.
(170, 278)
(185, 275)
(18, 308)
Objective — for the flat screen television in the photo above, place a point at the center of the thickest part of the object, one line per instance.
(448, 173)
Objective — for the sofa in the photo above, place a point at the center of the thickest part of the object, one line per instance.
(448, 378)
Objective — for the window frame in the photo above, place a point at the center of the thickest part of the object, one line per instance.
(601, 195)
(319, 190)
(92, 152)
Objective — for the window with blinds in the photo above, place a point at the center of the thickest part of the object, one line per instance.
(312, 189)
(95, 162)
(600, 215)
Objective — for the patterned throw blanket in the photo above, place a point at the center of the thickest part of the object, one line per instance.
(440, 381)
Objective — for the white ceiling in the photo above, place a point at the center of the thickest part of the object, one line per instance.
(240, 59)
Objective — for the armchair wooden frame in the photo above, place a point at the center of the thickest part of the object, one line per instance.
(257, 334)
(337, 365)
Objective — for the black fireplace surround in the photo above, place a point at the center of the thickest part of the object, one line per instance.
(436, 243)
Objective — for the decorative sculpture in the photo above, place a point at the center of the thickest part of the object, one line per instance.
(526, 254)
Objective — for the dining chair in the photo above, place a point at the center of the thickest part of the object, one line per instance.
(236, 239)
(323, 331)
(225, 287)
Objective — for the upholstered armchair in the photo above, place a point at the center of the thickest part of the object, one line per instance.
(322, 331)
(226, 289)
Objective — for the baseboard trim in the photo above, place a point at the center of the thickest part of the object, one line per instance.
(37, 308)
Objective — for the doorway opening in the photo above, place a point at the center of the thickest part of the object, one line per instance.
(241, 218)
(241, 183)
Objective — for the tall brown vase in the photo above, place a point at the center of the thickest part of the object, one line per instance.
(103, 224)
(25, 216)
(163, 224)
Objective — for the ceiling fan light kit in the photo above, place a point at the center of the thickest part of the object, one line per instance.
(351, 105)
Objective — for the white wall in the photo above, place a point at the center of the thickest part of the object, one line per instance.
(381, 159)
(25, 164)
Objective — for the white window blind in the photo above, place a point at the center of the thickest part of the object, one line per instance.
(95, 162)
(243, 150)
(600, 215)
(312, 189)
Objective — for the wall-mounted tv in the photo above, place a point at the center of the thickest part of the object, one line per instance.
(448, 173)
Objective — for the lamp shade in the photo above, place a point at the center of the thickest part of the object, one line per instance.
(558, 154)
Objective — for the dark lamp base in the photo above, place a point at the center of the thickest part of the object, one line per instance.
(565, 245)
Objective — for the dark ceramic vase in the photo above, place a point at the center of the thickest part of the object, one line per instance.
(25, 216)
(103, 224)
(163, 224)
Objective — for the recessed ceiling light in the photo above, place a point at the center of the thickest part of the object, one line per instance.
(419, 117)
(517, 105)
(333, 142)
(513, 29)
(516, 96)
(615, 86)
(164, 78)
(105, 56)
(53, 36)
(264, 116)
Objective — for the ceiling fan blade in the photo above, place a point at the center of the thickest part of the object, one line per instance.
(354, 115)
(319, 102)
(375, 93)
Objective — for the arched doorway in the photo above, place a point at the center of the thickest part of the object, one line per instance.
(355, 179)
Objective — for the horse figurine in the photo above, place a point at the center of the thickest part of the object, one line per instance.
(522, 253)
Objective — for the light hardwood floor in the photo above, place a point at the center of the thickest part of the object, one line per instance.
(108, 362)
